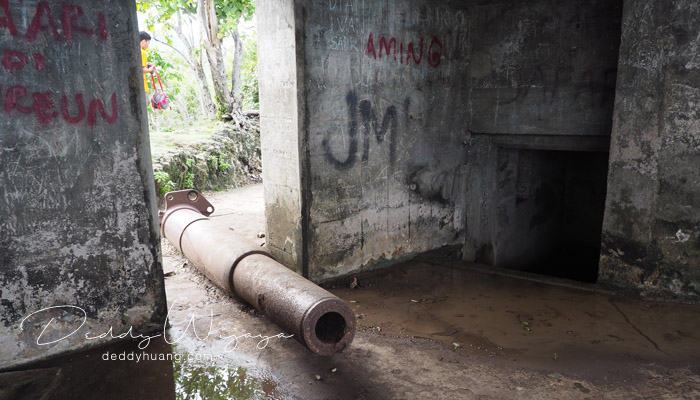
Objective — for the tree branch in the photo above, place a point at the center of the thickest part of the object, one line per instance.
(187, 59)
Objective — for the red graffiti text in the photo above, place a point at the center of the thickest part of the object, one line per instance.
(72, 19)
(405, 53)
(14, 61)
(16, 99)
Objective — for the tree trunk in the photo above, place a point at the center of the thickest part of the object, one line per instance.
(202, 86)
(218, 73)
(236, 72)
(215, 56)
(195, 63)
(208, 107)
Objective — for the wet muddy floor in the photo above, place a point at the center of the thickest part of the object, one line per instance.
(427, 328)
(574, 331)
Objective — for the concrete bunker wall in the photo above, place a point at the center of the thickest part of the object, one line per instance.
(398, 98)
(79, 238)
(542, 87)
(386, 87)
(422, 124)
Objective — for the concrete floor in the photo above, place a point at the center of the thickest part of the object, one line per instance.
(428, 328)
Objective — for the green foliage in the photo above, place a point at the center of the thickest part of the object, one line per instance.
(178, 179)
(170, 14)
(186, 91)
(218, 162)
(163, 182)
(164, 11)
(189, 174)
(250, 94)
(170, 75)
(179, 86)
(230, 11)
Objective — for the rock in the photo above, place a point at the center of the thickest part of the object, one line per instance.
(231, 158)
(353, 284)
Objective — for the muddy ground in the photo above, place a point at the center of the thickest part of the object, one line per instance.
(427, 328)
(445, 329)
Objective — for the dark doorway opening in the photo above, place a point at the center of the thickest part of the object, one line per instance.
(550, 211)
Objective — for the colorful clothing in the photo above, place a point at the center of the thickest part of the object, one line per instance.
(144, 60)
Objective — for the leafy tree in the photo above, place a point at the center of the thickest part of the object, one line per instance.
(219, 19)
(216, 19)
(179, 86)
(168, 73)
(179, 17)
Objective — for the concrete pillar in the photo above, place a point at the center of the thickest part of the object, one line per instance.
(79, 243)
(281, 123)
(651, 231)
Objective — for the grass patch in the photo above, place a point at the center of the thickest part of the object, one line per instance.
(163, 142)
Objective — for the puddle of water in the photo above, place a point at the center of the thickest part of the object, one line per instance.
(123, 371)
(205, 381)
(117, 371)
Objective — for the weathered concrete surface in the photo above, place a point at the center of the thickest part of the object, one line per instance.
(281, 105)
(651, 233)
(417, 125)
(387, 94)
(544, 67)
(394, 95)
(77, 209)
(543, 80)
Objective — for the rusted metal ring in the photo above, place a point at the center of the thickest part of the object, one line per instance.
(328, 326)
(238, 260)
(182, 234)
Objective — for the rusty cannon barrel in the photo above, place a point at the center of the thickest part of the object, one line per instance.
(318, 319)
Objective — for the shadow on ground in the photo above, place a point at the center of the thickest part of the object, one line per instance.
(428, 328)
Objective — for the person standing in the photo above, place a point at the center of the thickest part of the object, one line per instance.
(147, 66)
